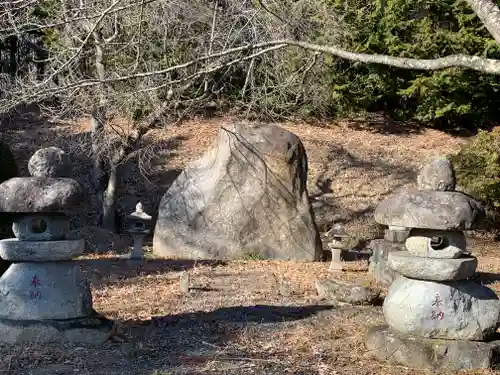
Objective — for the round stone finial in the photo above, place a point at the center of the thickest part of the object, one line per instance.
(50, 162)
(139, 207)
(437, 175)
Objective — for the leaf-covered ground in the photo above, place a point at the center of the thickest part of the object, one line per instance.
(234, 320)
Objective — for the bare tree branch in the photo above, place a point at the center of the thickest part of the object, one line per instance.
(29, 27)
(212, 34)
(477, 63)
(91, 32)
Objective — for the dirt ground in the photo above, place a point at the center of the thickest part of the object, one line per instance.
(235, 320)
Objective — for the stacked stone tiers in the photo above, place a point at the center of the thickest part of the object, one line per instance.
(436, 316)
(44, 297)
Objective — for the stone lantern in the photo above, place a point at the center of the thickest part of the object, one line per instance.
(338, 244)
(44, 297)
(139, 226)
(438, 316)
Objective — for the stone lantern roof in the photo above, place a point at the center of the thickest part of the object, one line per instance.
(338, 231)
(137, 221)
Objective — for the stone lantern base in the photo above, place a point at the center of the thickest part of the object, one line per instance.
(431, 354)
(91, 330)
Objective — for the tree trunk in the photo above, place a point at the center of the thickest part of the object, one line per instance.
(109, 201)
(97, 133)
(13, 49)
(104, 182)
(489, 13)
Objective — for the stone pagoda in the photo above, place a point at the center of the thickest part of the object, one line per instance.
(437, 317)
(44, 297)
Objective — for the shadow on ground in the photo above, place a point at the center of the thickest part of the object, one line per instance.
(202, 337)
(260, 314)
(326, 203)
(122, 269)
(226, 341)
(381, 123)
(487, 278)
(375, 123)
(384, 124)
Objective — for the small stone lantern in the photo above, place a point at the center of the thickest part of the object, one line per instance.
(338, 244)
(138, 225)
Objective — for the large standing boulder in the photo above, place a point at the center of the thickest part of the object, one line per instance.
(246, 195)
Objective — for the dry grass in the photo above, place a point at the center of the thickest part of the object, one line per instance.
(357, 164)
(217, 328)
(233, 321)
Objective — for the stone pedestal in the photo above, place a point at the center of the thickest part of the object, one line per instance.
(436, 317)
(336, 263)
(431, 354)
(137, 250)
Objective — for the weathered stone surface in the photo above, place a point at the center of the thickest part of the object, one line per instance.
(345, 292)
(462, 310)
(396, 234)
(430, 354)
(39, 194)
(434, 269)
(336, 262)
(449, 245)
(40, 251)
(41, 228)
(90, 330)
(378, 265)
(437, 175)
(446, 210)
(40, 291)
(247, 194)
(50, 162)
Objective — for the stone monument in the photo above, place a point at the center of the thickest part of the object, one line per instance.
(246, 194)
(44, 297)
(437, 318)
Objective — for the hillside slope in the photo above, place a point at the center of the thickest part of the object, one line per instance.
(352, 165)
